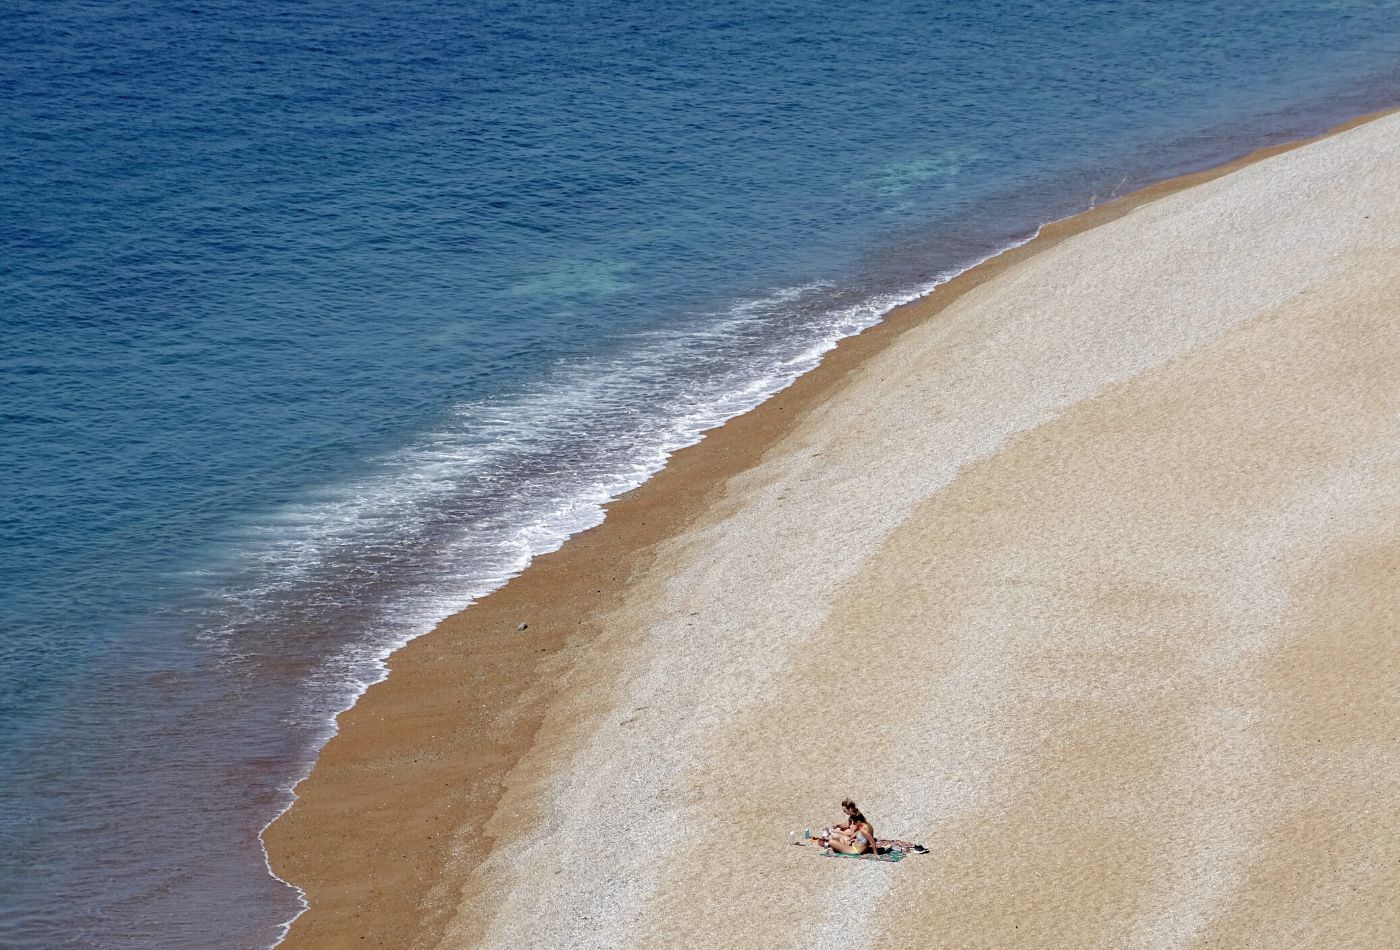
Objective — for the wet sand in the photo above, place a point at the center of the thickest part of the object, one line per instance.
(1091, 555)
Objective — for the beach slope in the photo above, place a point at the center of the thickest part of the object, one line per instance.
(1084, 575)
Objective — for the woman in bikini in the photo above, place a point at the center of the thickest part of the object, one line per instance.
(854, 836)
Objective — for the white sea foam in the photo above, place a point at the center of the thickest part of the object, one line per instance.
(460, 511)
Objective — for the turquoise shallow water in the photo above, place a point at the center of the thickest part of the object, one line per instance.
(320, 319)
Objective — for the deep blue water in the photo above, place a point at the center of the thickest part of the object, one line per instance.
(320, 318)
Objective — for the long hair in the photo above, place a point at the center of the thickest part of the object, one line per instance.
(854, 810)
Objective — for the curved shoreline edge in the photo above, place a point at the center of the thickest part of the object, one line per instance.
(402, 802)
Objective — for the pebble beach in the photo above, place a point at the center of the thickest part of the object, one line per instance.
(1079, 570)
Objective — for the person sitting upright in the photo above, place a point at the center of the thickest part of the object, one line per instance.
(853, 836)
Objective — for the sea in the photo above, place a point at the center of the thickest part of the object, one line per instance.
(319, 320)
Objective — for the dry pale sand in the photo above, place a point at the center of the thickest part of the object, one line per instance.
(1089, 582)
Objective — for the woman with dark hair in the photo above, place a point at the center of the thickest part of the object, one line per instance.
(853, 836)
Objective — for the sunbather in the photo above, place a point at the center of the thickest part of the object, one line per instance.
(853, 836)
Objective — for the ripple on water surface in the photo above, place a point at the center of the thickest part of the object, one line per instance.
(321, 320)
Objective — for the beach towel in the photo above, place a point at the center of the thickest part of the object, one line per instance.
(886, 849)
(895, 844)
(874, 856)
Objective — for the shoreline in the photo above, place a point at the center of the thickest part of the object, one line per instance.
(399, 766)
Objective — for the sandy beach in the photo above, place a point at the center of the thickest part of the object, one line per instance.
(1080, 571)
